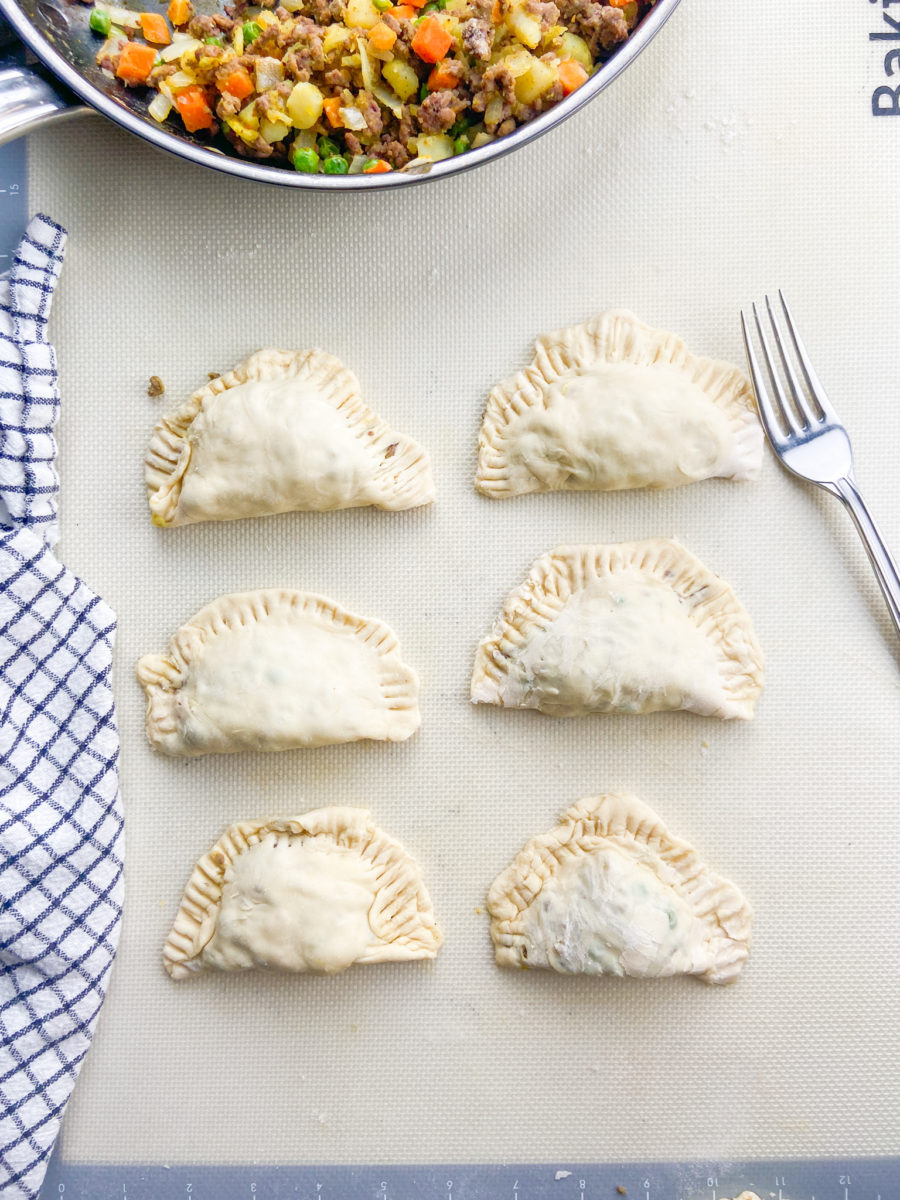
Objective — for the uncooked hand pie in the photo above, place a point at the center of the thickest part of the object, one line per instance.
(634, 627)
(274, 670)
(614, 404)
(282, 431)
(611, 892)
(314, 893)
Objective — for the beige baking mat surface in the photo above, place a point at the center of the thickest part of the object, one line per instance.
(737, 155)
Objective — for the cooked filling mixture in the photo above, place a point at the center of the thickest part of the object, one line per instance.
(349, 86)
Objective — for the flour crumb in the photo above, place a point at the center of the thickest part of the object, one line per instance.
(562, 1175)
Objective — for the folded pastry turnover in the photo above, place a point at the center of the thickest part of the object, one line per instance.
(313, 893)
(614, 404)
(611, 892)
(283, 431)
(633, 627)
(274, 670)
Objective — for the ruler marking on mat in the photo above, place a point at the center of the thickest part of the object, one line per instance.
(873, 1179)
(13, 197)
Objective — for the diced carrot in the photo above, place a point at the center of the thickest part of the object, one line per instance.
(155, 29)
(620, 3)
(432, 41)
(180, 11)
(135, 62)
(496, 12)
(333, 112)
(417, 3)
(441, 78)
(194, 109)
(571, 75)
(237, 84)
(377, 168)
(381, 36)
(403, 12)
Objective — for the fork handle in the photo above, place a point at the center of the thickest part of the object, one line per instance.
(879, 556)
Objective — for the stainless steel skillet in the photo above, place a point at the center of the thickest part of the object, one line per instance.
(65, 79)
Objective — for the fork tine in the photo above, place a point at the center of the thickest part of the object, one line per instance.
(780, 415)
(808, 417)
(818, 392)
(774, 431)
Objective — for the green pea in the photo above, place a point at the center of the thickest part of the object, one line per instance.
(460, 144)
(100, 22)
(251, 31)
(460, 127)
(336, 164)
(305, 159)
(214, 41)
(327, 147)
(381, 5)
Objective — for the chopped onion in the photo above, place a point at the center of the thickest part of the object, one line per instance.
(181, 79)
(269, 73)
(120, 16)
(112, 46)
(353, 118)
(481, 139)
(388, 99)
(183, 45)
(357, 162)
(365, 65)
(159, 107)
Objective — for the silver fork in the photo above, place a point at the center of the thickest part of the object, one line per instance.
(807, 435)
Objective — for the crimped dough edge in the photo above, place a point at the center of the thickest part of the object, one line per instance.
(560, 573)
(162, 675)
(402, 469)
(616, 336)
(401, 914)
(629, 825)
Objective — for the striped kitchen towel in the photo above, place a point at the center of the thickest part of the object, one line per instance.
(60, 814)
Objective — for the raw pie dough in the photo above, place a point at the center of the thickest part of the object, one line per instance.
(614, 404)
(273, 670)
(314, 893)
(611, 892)
(282, 431)
(633, 627)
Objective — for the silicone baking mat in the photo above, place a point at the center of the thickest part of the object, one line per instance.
(740, 153)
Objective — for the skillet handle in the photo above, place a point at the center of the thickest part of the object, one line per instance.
(28, 100)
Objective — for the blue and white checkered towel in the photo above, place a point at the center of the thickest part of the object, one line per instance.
(60, 815)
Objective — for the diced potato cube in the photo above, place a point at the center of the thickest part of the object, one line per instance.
(518, 61)
(434, 146)
(401, 77)
(335, 36)
(304, 105)
(361, 14)
(524, 26)
(535, 81)
(264, 19)
(274, 131)
(572, 46)
(248, 117)
(493, 111)
(244, 132)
